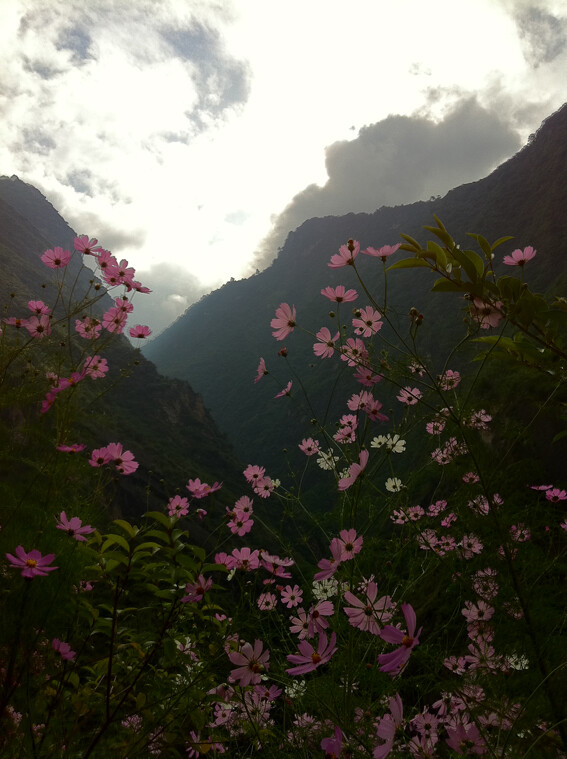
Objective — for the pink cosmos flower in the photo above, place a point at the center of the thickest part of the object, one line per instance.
(328, 567)
(291, 597)
(240, 524)
(38, 326)
(14, 321)
(253, 473)
(300, 624)
(383, 252)
(74, 527)
(123, 304)
(284, 321)
(465, 737)
(246, 559)
(387, 728)
(261, 371)
(251, 661)
(519, 257)
(177, 506)
(195, 591)
(368, 323)
(309, 446)
(368, 613)
(100, 457)
(449, 380)
(114, 320)
(244, 505)
(436, 427)
(63, 648)
(276, 565)
(354, 352)
(333, 745)
(125, 273)
(346, 255)
(73, 448)
(267, 601)
(140, 331)
(409, 395)
(470, 478)
(89, 247)
(326, 345)
(555, 495)
(485, 314)
(123, 460)
(350, 544)
(264, 487)
(317, 614)
(339, 294)
(138, 287)
(366, 376)
(38, 307)
(308, 658)
(393, 663)
(32, 564)
(200, 489)
(354, 471)
(479, 612)
(95, 367)
(56, 258)
(88, 328)
(285, 391)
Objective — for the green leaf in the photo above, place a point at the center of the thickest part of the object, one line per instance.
(500, 241)
(471, 262)
(409, 263)
(112, 540)
(127, 527)
(73, 680)
(484, 244)
(444, 285)
(442, 234)
(214, 568)
(413, 244)
(509, 288)
(559, 436)
(158, 534)
(146, 545)
(439, 253)
(159, 517)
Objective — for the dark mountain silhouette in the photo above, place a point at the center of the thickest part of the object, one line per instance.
(216, 344)
(163, 421)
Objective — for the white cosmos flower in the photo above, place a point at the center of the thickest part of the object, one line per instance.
(393, 484)
(393, 443)
(327, 460)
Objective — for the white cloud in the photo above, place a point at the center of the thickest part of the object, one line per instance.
(176, 132)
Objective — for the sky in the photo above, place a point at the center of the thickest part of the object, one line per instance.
(190, 137)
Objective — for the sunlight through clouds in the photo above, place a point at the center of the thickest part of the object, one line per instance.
(197, 134)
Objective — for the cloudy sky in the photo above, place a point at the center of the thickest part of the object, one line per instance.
(190, 136)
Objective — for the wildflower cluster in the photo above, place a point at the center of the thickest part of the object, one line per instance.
(377, 601)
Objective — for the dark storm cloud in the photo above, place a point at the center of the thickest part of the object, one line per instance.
(81, 180)
(221, 80)
(397, 161)
(542, 34)
(36, 140)
(76, 39)
(173, 291)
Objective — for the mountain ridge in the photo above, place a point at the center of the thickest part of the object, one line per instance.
(525, 196)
